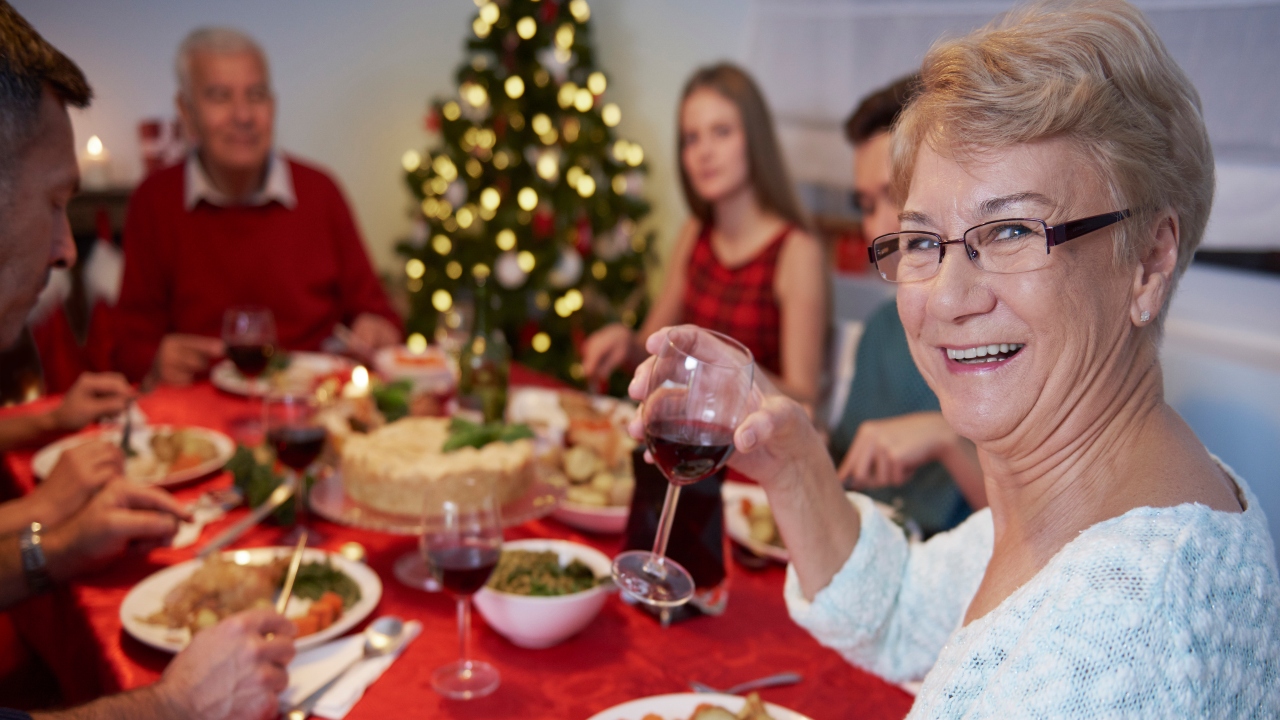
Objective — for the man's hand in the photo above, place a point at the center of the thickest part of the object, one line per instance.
(231, 671)
(887, 452)
(93, 395)
(371, 332)
(122, 516)
(79, 474)
(181, 357)
(606, 349)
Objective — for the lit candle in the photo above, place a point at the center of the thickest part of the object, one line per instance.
(95, 172)
(359, 385)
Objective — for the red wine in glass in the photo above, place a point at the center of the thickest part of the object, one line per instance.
(297, 447)
(251, 360)
(689, 450)
(463, 569)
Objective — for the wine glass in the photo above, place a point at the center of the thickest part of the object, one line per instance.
(462, 541)
(295, 433)
(249, 334)
(699, 389)
(453, 328)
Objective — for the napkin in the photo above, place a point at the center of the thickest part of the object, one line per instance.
(313, 668)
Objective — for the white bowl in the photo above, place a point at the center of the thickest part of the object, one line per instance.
(539, 622)
(610, 520)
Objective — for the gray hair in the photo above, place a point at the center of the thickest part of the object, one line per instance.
(216, 40)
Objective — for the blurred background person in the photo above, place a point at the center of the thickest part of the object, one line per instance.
(238, 223)
(891, 441)
(743, 264)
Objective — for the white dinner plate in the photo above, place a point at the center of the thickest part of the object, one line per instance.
(737, 525)
(592, 518)
(147, 597)
(140, 438)
(302, 372)
(681, 705)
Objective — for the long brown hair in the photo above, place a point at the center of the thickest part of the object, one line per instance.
(765, 167)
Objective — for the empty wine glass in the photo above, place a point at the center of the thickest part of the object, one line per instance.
(699, 388)
(462, 541)
(297, 436)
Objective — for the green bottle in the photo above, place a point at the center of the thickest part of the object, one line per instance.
(484, 364)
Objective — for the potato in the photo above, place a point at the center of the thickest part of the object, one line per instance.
(713, 713)
(621, 492)
(602, 481)
(586, 496)
(580, 464)
(763, 530)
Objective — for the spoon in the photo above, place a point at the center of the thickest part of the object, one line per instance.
(383, 636)
(787, 678)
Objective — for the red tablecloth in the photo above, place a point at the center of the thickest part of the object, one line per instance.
(621, 656)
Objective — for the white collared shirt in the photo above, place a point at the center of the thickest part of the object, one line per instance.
(278, 185)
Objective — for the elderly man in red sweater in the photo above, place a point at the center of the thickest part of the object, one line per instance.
(238, 224)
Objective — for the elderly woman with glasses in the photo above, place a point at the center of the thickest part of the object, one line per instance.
(1056, 177)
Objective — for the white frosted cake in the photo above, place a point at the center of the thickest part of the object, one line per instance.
(391, 468)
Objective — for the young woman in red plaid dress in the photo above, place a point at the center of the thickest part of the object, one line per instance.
(742, 265)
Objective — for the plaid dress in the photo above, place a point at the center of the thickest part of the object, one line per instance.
(738, 301)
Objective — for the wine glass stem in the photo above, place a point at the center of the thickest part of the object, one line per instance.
(464, 628)
(657, 563)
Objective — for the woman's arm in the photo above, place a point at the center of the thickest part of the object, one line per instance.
(801, 285)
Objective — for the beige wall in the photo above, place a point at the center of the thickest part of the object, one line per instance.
(353, 78)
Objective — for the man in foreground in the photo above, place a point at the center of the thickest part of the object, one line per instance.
(233, 670)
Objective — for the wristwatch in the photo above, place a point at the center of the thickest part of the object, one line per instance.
(33, 560)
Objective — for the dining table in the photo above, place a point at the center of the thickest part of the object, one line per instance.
(624, 654)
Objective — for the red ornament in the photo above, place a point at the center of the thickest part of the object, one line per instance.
(499, 126)
(526, 334)
(544, 223)
(549, 11)
(585, 238)
(433, 120)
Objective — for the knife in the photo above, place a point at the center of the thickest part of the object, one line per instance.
(233, 533)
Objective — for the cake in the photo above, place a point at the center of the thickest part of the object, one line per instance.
(392, 468)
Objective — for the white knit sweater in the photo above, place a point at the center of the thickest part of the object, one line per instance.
(1160, 613)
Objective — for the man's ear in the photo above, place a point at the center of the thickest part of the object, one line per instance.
(1156, 267)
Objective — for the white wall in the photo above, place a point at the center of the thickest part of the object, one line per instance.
(353, 79)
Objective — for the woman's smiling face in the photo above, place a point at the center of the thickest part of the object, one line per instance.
(1057, 331)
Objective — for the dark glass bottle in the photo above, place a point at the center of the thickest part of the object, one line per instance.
(484, 364)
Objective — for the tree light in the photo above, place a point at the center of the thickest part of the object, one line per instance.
(489, 198)
(526, 261)
(580, 10)
(527, 198)
(596, 82)
(506, 239)
(526, 28)
(415, 268)
(541, 342)
(441, 300)
(586, 186)
(417, 342)
(514, 86)
(441, 244)
(411, 160)
(611, 114)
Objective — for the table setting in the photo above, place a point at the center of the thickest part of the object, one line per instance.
(585, 653)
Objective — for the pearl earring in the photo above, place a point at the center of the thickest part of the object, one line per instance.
(1144, 317)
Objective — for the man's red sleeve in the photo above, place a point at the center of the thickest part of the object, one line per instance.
(142, 316)
(361, 290)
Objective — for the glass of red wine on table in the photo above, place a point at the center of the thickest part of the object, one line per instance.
(297, 437)
(699, 391)
(462, 541)
(249, 334)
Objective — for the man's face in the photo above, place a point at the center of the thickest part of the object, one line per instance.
(871, 178)
(230, 112)
(35, 234)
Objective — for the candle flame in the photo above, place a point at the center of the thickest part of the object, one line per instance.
(94, 146)
(360, 377)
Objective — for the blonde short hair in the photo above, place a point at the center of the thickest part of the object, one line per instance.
(1092, 72)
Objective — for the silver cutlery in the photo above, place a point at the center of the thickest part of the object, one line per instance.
(382, 637)
(207, 508)
(277, 498)
(788, 678)
(294, 563)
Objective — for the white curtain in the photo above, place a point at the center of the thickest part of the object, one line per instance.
(816, 58)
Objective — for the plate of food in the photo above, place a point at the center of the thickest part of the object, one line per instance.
(749, 521)
(162, 454)
(292, 371)
(698, 706)
(588, 453)
(331, 595)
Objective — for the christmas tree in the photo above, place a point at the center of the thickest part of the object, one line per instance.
(530, 192)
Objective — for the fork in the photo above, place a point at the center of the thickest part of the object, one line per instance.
(787, 678)
(209, 507)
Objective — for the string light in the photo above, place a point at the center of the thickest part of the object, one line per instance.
(541, 124)
(527, 198)
(465, 217)
(620, 150)
(580, 10)
(481, 28)
(573, 175)
(441, 244)
(583, 100)
(596, 83)
(438, 186)
(415, 268)
(514, 86)
(417, 342)
(619, 184)
(548, 166)
(480, 271)
(571, 129)
(635, 155)
(501, 160)
(526, 28)
(411, 160)
(542, 300)
(441, 300)
(564, 36)
(489, 13)
(474, 94)
(611, 114)
(489, 198)
(541, 342)
(599, 270)
(453, 270)
(429, 207)
(451, 110)
(566, 96)
(444, 209)
(506, 239)
(549, 137)
(474, 168)
(526, 261)
(445, 168)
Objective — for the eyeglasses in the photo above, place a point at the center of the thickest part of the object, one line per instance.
(999, 246)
